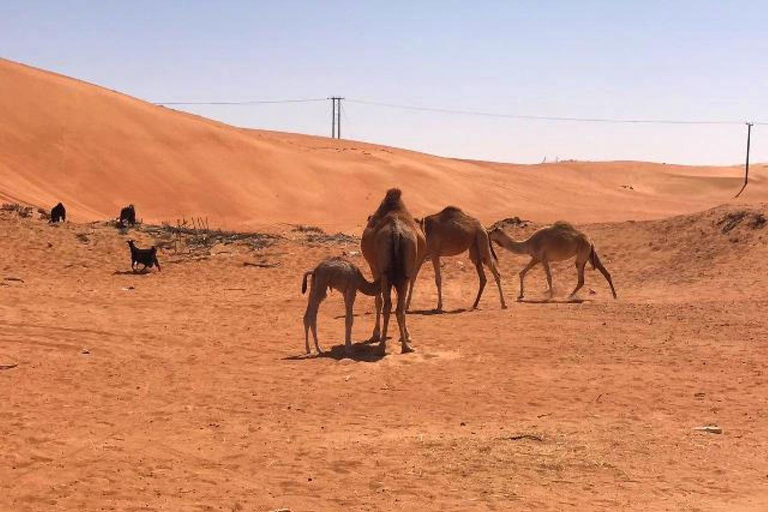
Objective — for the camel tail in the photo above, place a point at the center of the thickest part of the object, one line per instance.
(593, 259)
(493, 252)
(304, 281)
(396, 272)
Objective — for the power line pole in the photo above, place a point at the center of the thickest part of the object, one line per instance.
(335, 116)
(746, 168)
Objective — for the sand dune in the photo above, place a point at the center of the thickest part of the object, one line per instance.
(96, 150)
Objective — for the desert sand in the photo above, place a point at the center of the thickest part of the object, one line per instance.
(186, 389)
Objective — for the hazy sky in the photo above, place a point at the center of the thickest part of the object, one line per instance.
(619, 59)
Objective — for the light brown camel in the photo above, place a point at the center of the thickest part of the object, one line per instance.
(558, 242)
(450, 233)
(394, 246)
(343, 276)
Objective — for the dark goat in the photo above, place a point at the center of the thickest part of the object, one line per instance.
(58, 214)
(147, 257)
(128, 215)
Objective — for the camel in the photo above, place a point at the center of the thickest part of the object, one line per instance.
(450, 233)
(343, 276)
(394, 247)
(558, 242)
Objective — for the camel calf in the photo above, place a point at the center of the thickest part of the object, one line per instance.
(343, 276)
(558, 242)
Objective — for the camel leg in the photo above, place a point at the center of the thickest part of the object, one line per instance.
(310, 322)
(349, 303)
(528, 267)
(497, 278)
(376, 336)
(549, 278)
(306, 332)
(483, 281)
(386, 291)
(410, 287)
(599, 266)
(400, 313)
(484, 251)
(314, 335)
(438, 281)
(580, 269)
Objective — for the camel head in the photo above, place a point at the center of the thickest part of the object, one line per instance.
(420, 222)
(495, 234)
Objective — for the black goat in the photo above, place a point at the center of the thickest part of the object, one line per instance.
(128, 215)
(58, 214)
(147, 257)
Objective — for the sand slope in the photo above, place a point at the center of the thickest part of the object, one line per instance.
(97, 150)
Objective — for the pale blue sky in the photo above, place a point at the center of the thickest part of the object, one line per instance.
(619, 59)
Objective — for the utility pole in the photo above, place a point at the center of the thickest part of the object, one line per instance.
(746, 168)
(335, 116)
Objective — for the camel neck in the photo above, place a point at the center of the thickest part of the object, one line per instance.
(513, 245)
(369, 288)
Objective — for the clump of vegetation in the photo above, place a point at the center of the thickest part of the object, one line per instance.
(301, 228)
(338, 238)
(731, 220)
(516, 222)
(315, 235)
(194, 238)
(20, 210)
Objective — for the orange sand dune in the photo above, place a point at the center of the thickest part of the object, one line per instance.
(97, 150)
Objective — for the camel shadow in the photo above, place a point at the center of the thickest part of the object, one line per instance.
(553, 301)
(429, 312)
(364, 351)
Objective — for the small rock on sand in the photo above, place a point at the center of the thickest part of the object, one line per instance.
(710, 429)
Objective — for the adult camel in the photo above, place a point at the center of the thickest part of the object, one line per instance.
(452, 232)
(394, 246)
(558, 242)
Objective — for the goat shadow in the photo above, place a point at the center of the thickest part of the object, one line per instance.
(364, 351)
(141, 272)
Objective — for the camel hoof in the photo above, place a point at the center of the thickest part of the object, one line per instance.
(503, 306)
(407, 349)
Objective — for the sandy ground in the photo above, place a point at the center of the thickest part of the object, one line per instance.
(184, 389)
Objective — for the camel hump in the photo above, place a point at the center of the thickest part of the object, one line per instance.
(393, 200)
(393, 194)
(561, 224)
(452, 210)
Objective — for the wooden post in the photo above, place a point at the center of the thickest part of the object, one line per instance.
(746, 168)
